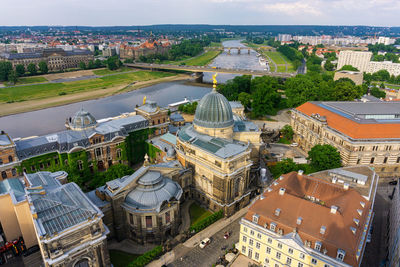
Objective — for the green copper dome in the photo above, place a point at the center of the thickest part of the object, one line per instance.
(213, 111)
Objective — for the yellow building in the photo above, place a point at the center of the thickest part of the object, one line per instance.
(307, 221)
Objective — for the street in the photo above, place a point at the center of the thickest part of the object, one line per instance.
(210, 254)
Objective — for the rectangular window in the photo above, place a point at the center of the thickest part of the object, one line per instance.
(270, 240)
(288, 261)
(302, 256)
(314, 261)
(258, 245)
(259, 236)
(243, 249)
(385, 159)
(251, 232)
(245, 229)
(372, 160)
(256, 256)
(251, 241)
(244, 239)
(278, 255)
(130, 218)
(268, 250)
(280, 245)
(149, 221)
(167, 217)
(290, 250)
(300, 264)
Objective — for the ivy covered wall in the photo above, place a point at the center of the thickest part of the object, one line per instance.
(136, 146)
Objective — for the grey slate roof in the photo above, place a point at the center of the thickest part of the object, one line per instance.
(4, 140)
(66, 140)
(220, 147)
(61, 207)
(149, 107)
(15, 186)
(152, 190)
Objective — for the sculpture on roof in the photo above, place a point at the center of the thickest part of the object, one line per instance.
(214, 77)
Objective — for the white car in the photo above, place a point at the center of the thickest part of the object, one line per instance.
(294, 144)
(204, 242)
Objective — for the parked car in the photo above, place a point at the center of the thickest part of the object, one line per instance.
(204, 242)
(394, 182)
(227, 235)
(294, 144)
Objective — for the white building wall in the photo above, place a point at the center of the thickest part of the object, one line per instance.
(357, 59)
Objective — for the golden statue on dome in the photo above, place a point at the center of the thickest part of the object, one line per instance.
(214, 77)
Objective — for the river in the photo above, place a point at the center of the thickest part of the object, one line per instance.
(50, 120)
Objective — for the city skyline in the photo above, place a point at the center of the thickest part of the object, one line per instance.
(235, 12)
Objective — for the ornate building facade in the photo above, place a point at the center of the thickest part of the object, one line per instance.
(365, 133)
(157, 117)
(56, 58)
(8, 157)
(150, 47)
(220, 152)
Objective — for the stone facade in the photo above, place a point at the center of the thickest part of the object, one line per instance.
(158, 118)
(355, 76)
(381, 153)
(8, 157)
(150, 47)
(56, 58)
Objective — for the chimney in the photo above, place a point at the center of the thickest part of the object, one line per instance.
(269, 189)
(362, 204)
(300, 172)
(282, 191)
(334, 180)
(346, 186)
(281, 177)
(356, 221)
(353, 230)
(261, 197)
(334, 209)
(359, 212)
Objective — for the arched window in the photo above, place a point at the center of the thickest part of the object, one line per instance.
(237, 186)
(82, 263)
(3, 174)
(10, 159)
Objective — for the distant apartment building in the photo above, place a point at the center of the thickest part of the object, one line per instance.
(149, 47)
(386, 40)
(366, 133)
(362, 61)
(56, 58)
(357, 59)
(303, 221)
(109, 52)
(284, 37)
(394, 229)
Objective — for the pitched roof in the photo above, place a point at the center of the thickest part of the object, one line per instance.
(311, 199)
(346, 124)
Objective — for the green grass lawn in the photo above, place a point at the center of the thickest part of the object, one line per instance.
(27, 80)
(388, 85)
(203, 59)
(121, 259)
(281, 68)
(197, 213)
(107, 71)
(275, 56)
(215, 44)
(40, 91)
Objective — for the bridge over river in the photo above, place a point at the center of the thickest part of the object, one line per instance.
(201, 69)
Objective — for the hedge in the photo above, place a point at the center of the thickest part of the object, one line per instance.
(146, 257)
(197, 227)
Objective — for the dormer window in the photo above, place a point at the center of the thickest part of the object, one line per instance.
(322, 230)
(255, 218)
(359, 212)
(277, 212)
(272, 226)
(340, 254)
(318, 246)
(299, 220)
(356, 221)
(353, 230)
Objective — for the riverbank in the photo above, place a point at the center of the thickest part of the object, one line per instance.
(31, 105)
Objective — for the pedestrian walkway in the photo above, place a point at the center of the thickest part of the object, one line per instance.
(192, 242)
(185, 216)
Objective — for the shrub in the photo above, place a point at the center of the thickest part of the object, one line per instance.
(197, 227)
(147, 257)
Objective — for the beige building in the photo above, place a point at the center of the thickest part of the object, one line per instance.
(158, 117)
(221, 152)
(303, 221)
(355, 76)
(357, 59)
(58, 217)
(56, 58)
(366, 133)
(8, 157)
(392, 68)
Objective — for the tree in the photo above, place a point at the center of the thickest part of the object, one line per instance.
(282, 167)
(245, 99)
(349, 67)
(329, 66)
(43, 67)
(13, 77)
(113, 63)
(266, 99)
(323, 157)
(20, 69)
(5, 69)
(287, 132)
(377, 93)
(32, 69)
(82, 65)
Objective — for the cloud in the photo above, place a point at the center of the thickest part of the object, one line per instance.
(295, 8)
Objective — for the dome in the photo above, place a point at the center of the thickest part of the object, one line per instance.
(213, 111)
(171, 153)
(152, 191)
(82, 120)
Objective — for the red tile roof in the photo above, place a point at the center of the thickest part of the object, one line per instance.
(294, 203)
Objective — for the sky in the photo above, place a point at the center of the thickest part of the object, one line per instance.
(234, 12)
